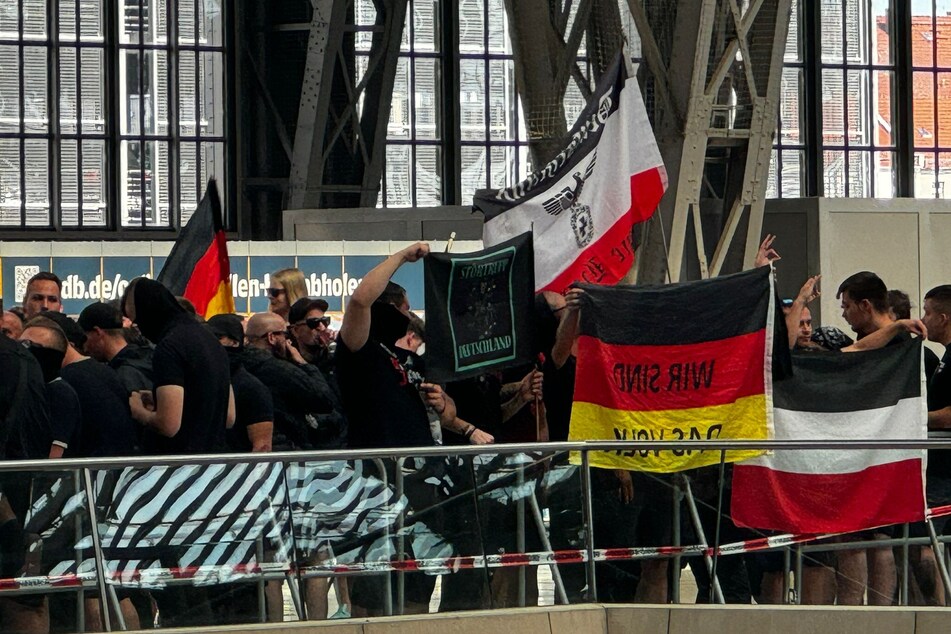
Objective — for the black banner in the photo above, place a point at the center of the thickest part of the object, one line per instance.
(479, 309)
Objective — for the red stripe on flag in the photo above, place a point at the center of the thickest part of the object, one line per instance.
(884, 494)
(656, 378)
(211, 269)
(608, 259)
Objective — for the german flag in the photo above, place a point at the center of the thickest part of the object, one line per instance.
(198, 266)
(679, 362)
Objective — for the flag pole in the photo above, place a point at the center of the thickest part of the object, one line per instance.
(452, 238)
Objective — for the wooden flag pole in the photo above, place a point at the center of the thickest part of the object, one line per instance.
(452, 238)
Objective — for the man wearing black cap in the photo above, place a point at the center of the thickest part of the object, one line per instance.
(254, 409)
(106, 342)
(300, 392)
(311, 330)
(107, 427)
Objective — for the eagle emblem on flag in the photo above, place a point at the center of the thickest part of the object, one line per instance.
(582, 222)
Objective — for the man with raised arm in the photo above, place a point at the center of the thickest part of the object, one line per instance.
(386, 397)
(382, 384)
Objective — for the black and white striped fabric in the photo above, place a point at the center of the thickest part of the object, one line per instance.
(212, 523)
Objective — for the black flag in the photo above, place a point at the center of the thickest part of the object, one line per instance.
(479, 309)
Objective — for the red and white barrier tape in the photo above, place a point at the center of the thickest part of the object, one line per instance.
(209, 574)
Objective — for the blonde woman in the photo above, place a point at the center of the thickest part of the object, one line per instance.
(287, 286)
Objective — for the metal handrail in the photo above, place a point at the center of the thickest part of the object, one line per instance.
(64, 464)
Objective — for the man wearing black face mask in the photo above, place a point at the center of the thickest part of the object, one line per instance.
(108, 428)
(193, 403)
(47, 343)
(24, 433)
(254, 409)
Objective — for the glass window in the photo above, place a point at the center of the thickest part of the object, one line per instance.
(154, 154)
(150, 149)
(857, 72)
(788, 157)
(931, 106)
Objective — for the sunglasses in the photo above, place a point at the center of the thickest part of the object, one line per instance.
(275, 292)
(314, 322)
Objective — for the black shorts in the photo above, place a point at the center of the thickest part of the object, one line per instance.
(645, 521)
(370, 591)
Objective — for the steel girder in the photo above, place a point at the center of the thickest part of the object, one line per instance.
(340, 139)
(728, 91)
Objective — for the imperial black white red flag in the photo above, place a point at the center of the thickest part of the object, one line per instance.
(874, 395)
(582, 205)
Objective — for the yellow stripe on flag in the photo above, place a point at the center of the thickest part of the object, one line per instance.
(744, 419)
(222, 303)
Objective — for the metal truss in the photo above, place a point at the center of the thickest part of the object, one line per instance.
(728, 93)
(339, 143)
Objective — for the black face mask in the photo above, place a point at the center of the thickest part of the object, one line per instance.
(50, 361)
(234, 357)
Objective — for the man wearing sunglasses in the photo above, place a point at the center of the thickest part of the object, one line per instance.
(300, 391)
(310, 329)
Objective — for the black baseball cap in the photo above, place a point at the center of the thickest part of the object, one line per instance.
(74, 334)
(100, 315)
(227, 325)
(303, 306)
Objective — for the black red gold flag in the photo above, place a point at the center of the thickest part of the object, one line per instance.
(198, 267)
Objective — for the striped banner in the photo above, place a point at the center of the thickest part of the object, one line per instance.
(681, 362)
(210, 523)
(855, 396)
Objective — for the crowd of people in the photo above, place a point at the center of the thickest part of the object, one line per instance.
(147, 376)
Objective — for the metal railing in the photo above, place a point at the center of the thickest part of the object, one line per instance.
(528, 513)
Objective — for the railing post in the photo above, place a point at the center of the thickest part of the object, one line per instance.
(797, 593)
(787, 568)
(400, 539)
(97, 551)
(587, 511)
(903, 592)
(520, 532)
(78, 553)
(675, 562)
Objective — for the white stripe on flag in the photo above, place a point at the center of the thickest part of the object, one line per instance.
(626, 147)
(871, 424)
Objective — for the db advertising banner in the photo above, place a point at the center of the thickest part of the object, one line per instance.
(100, 271)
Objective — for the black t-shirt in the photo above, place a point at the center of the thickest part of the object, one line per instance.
(133, 364)
(939, 397)
(379, 386)
(478, 401)
(108, 428)
(253, 405)
(558, 390)
(24, 409)
(190, 357)
(66, 418)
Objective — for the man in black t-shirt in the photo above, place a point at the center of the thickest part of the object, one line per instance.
(188, 411)
(107, 428)
(254, 408)
(380, 382)
(386, 396)
(47, 343)
(937, 318)
(193, 401)
(24, 433)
